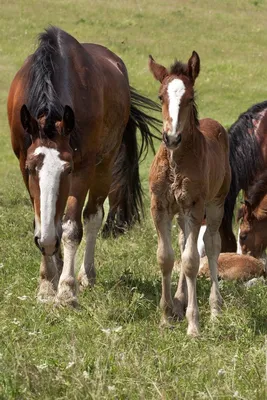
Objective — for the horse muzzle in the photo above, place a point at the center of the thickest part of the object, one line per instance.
(172, 141)
(47, 248)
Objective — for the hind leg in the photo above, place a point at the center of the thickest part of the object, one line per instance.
(212, 242)
(93, 216)
(180, 297)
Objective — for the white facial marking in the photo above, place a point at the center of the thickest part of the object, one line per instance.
(176, 89)
(239, 250)
(49, 178)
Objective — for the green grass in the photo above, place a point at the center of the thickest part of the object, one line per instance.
(112, 347)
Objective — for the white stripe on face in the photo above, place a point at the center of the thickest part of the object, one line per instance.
(49, 179)
(176, 89)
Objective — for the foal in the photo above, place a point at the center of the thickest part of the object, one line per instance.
(189, 177)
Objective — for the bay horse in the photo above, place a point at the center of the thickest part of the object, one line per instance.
(189, 177)
(248, 158)
(253, 219)
(70, 108)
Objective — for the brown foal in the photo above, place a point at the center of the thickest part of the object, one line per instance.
(189, 177)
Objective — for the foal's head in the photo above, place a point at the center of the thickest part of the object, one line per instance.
(253, 226)
(49, 164)
(176, 94)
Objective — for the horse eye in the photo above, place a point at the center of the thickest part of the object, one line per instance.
(161, 99)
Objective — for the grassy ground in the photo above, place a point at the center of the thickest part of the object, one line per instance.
(112, 348)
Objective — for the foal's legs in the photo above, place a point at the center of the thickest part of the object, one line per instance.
(190, 266)
(180, 297)
(165, 255)
(212, 240)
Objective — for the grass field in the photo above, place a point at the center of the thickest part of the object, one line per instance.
(112, 348)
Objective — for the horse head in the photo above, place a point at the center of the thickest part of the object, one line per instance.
(176, 95)
(252, 237)
(49, 165)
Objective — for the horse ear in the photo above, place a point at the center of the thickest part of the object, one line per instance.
(157, 70)
(68, 120)
(29, 123)
(193, 66)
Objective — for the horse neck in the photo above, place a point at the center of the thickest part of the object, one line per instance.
(192, 139)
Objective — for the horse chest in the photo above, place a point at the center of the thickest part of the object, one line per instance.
(185, 192)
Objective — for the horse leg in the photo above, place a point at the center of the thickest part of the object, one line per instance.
(180, 297)
(212, 242)
(165, 256)
(93, 216)
(190, 266)
(72, 233)
(49, 276)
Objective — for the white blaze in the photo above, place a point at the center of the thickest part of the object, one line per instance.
(176, 89)
(49, 179)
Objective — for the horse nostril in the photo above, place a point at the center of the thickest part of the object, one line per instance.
(165, 138)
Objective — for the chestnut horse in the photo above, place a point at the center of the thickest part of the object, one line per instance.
(189, 177)
(248, 158)
(253, 216)
(70, 109)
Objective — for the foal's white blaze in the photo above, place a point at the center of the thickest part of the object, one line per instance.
(49, 179)
(176, 89)
(239, 250)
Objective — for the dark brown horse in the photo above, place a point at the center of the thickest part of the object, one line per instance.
(190, 177)
(253, 217)
(70, 109)
(248, 158)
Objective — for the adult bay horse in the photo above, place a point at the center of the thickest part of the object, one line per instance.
(189, 177)
(248, 158)
(70, 108)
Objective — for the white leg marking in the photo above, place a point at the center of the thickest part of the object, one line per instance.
(91, 228)
(67, 286)
(200, 241)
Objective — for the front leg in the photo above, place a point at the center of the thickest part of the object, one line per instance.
(165, 255)
(49, 276)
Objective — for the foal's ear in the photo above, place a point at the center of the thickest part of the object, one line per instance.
(68, 120)
(29, 123)
(193, 66)
(157, 70)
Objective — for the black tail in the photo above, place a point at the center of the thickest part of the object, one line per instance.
(246, 162)
(126, 194)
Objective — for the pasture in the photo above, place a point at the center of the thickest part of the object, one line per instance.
(112, 347)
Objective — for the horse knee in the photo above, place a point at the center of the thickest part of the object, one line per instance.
(71, 231)
(190, 263)
(165, 259)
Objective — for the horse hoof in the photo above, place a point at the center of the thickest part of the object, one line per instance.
(46, 292)
(193, 331)
(166, 323)
(85, 282)
(178, 310)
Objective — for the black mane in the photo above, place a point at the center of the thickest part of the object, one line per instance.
(42, 98)
(258, 190)
(246, 161)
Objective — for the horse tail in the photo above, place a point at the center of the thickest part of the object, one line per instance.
(126, 194)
